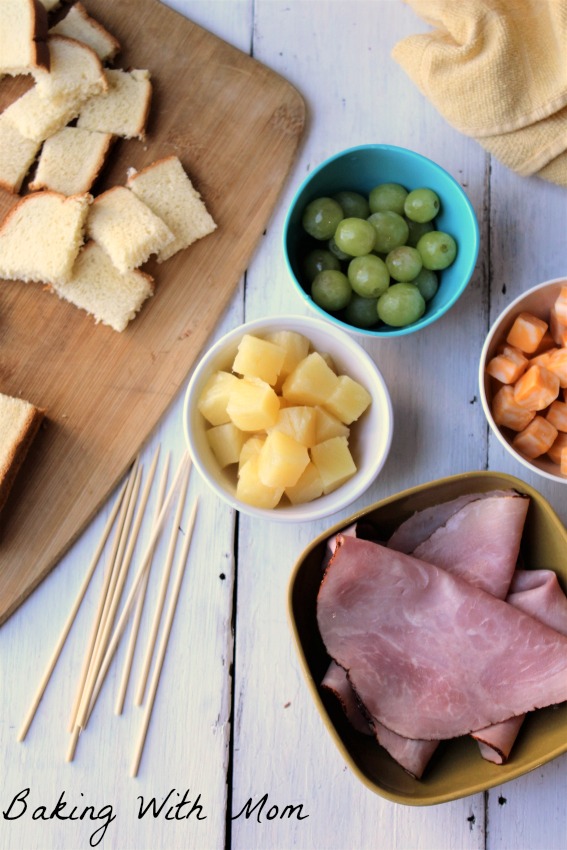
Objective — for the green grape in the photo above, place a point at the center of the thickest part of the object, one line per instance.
(387, 196)
(437, 249)
(361, 312)
(416, 231)
(400, 305)
(331, 290)
(354, 205)
(391, 230)
(427, 282)
(355, 236)
(404, 263)
(422, 205)
(317, 261)
(368, 275)
(321, 217)
(334, 249)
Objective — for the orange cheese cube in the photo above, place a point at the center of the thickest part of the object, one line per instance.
(560, 306)
(536, 388)
(557, 415)
(527, 332)
(563, 464)
(536, 439)
(556, 449)
(507, 413)
(557, 363)
(546, 343)
(557, 328)
(507, 365)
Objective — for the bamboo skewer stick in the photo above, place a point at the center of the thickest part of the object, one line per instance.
(102, 601)
(140, 604)
(163, 644)
(72, 615)
(184, 466)
(162, 594)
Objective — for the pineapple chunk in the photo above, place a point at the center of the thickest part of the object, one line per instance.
(253, 405)
(311, 382)
(349, 400)
(281, 460)
(296, 347)
(328, 426)
(251, 447)
(258, 358)
(334, 462)
(308, 487)
(226, 442)
(299, 422)
(214, 397)
(251, 490)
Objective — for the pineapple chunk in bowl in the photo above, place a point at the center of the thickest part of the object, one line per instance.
(288, 419)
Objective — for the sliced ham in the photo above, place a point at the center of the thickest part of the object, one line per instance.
(430, 655)
(336, 681)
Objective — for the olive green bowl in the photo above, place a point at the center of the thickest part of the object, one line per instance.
(457, 768)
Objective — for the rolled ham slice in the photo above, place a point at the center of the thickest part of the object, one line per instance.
(431, 656)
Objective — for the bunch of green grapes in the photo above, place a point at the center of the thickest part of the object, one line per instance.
(376, 259)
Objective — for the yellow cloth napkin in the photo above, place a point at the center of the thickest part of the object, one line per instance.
(497, 71)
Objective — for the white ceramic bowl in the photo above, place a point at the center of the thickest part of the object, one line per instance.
(370, 437)
(538, 301)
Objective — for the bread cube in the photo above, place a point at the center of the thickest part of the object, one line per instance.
(253, 405)
(311, 382)
(254, 492)
(299, 422)
(349, 400)
(213, 400)
(258, 358)
(226, 442)
(309, 486)
(281, 460)
(328, 426)
(334, 462)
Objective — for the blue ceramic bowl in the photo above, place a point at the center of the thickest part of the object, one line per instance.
(360, 169)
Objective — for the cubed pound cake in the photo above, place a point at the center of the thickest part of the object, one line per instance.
(41, 235)
(123, 110)
(23, 37)
(17, 155)
(75, 69)
(126, 228)
(19, 424)
(167, 190)
(70, 161)
(96, 286)
(78, 24)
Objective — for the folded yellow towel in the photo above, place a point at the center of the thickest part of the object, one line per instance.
(497, 71)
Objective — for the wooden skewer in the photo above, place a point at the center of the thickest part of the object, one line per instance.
(163, 644)
(72, 615)
(103, 597)
(119, 628)
(162, 594)
(121, 696)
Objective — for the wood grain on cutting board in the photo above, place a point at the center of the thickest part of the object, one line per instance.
(236, 126)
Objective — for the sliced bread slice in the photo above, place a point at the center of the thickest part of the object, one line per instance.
(96, 286)
(78, 24)
(75, 70)
(23, 37)
(123, 110)
(19, 424)
(167, 190)
(70, 160)
(41, 235)
(126, 228)
(16, 156)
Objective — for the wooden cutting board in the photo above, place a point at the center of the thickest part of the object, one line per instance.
(236, 126)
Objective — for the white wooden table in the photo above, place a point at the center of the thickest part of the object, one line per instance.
(233, 720)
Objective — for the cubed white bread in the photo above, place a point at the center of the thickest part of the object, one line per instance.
(123, 110)
(41, 235)
(78, 24)
(167, 190)
(126, 228)
(23, 37)
(75, 70)
(19, 424)
(71, 160)
(16, 156)
(96, 286)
